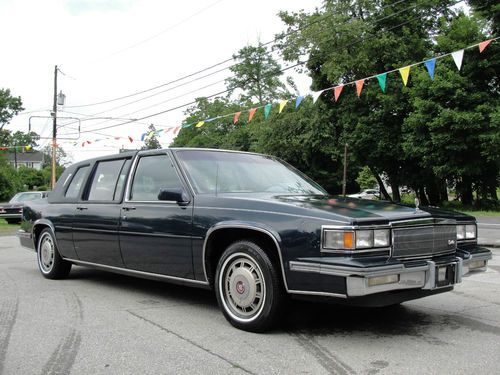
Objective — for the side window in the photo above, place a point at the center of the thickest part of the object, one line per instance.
(153, 173)
(76, 183)
(105, 180)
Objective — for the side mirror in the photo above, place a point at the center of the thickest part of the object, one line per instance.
(178, 195)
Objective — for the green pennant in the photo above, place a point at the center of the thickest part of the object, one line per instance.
(381, 80)
(267, 109)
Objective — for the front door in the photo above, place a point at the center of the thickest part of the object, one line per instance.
(155, 236)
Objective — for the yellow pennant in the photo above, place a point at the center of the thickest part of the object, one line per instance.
(200, 124)
(405, 73)
(282, 105)
(27, 148)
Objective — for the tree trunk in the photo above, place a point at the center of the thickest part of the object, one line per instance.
(433, 192)
(422, 197)
(493, 192)
(396, 196)
(443, 191)
(383, 191)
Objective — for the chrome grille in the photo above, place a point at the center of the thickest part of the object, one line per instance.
(423, 241)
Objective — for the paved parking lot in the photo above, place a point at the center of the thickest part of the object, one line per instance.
(100, 323)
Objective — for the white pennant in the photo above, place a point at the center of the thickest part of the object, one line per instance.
(458, 57)
(316, 95)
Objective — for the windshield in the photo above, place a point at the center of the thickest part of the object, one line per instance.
(24, 197)
(212, 172)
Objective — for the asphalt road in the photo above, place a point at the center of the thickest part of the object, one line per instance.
(100, 323)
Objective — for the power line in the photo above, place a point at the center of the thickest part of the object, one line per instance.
(282, 70)
(325, 15)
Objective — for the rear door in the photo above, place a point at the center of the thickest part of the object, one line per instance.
(155, 236)
(97, 215)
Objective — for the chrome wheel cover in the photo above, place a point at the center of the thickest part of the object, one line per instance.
(46, 253)
(242, 287)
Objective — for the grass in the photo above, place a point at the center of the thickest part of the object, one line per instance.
(6, 228)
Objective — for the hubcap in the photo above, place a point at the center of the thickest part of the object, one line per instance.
(244, 287)
(46, 253)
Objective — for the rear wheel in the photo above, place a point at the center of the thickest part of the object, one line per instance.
(248, 287)
(50, 263)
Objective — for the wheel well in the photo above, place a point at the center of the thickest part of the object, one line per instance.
(222, 238)
(36, 233)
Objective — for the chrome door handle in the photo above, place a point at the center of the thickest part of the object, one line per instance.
(128, 208)
(81, 208)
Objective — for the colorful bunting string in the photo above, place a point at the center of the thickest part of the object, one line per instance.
(404, 72)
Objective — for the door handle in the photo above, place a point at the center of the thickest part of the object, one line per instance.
(128, 208)
(81, 208)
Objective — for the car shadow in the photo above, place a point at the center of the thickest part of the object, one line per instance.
(300, 317)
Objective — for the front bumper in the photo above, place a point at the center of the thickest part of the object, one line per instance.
(425, 275)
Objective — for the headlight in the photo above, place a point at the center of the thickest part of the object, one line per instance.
(337, 239)
(466, 231)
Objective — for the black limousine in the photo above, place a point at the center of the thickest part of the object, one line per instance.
(251, 227)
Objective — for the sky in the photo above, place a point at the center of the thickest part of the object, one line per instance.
(107, 49)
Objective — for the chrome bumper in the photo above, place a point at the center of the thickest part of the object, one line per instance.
(370, 280)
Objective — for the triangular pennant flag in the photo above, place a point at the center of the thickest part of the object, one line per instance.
(251, 113)
(131, 139)
(298, 101)
(168, 129)
(315, 95)
(359, 86)
(282, 105)
(176, 130)
(143, 135)
(88, 142)
(236, 117)
(430, 65)
(200, 124)
(186, 125)
(336, 91)
(382, 79)
(28, 148)
(405, 73)
(458, 57)
(483, 45)
(83, 145)
(267, 110)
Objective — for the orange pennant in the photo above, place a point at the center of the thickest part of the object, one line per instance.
(359, 86)
(251, 113)
(236, 117)
(337, 90)
(483, 45)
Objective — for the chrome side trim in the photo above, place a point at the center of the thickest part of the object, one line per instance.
(157, 235)
(143, 274)
(241, 226)
(323, 294)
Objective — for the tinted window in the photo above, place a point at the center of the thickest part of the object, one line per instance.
(153, 173)
(76, 183)
(24, 197)
(105, 180)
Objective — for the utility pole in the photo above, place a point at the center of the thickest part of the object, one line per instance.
(344, 181)
(15, 156)
(54, 131)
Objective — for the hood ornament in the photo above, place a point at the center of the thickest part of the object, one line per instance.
(417, 203)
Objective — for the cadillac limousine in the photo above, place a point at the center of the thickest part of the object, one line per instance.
(251, 227)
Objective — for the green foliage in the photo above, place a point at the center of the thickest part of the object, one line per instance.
(10, 183)
(9, 107)
(366, 179)
(30, 177)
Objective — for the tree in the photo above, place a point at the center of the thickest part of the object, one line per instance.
(257, 73)
(9, 107)
(61, 156)
(151, 141)
(31, 177)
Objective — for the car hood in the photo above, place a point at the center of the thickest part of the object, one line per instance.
(346, 209)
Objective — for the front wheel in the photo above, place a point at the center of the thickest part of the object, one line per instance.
(248, 287)
(50, 263)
